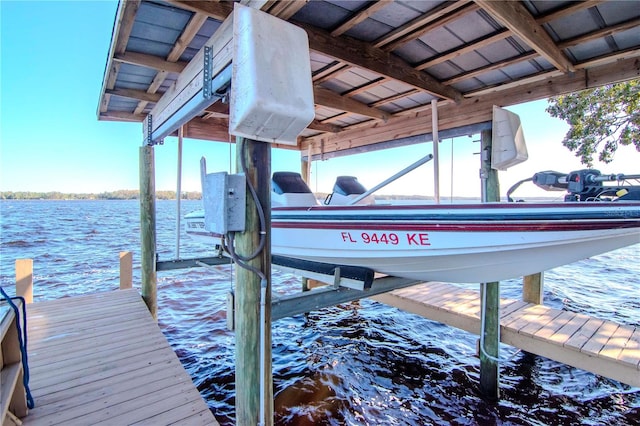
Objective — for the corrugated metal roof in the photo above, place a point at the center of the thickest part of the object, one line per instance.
(522, 50)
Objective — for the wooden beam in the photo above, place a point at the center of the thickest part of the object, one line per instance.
(407, 31)
(191, 80)
(212, 129)
(366, 86)
(125, 17)
(330, 71)
(333, 100)
(149, 61)
(286, 9)
(514, 16)
(604, 32)
(135, 94)
(476, 109)
(125, 26)
(361, 16)
(121, 116)
(362, 54)
(324, 127)
(190, 31)
(218, 10)
(567, 11)
(461, 50)
(454, 12)
(492, 67)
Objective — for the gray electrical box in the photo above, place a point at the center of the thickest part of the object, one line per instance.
(224, 198)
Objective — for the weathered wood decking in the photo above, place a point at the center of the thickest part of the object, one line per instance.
(101, 359)
(601, 347)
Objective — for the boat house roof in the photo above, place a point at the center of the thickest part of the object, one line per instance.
(378, 65)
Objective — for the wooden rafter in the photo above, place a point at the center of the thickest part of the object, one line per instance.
(149, 61)
(461, 50)
(394, 98)
(472, 110)
(359, 17)
(126, 14)
(514, 16)
(361, 54)
(121, 116)
(218, 10)
(135, 94)
(330, 71)
(365, 87)
(604, 32)
(568, 10)
(324, 127)
(594, 35)
(333, 100)
(421, 25)
(492, 67)
(285, 9)
(189, 33)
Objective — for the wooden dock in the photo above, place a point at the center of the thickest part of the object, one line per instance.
(602, 347)
(101, 359)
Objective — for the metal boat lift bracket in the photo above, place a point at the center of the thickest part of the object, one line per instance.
(324, 297)
(345, 283)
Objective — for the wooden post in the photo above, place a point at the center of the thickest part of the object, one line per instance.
(126, 270)
(148, 229)
(257, 157)
(532, 288)
(490, 293)
(24, 279)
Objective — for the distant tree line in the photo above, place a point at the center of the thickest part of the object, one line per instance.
(122, 194)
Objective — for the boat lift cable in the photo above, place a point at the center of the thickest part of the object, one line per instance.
(22, 340)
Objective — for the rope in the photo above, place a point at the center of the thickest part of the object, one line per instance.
(22, 341)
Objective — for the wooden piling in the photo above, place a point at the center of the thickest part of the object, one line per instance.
(148, 229)
(257, 157)
(532, 288)
(126, 270)
(489, 373)
(24, 279)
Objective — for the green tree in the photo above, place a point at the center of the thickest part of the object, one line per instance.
(601, 119)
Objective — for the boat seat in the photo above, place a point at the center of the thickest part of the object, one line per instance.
(288, 189)
(345, 189)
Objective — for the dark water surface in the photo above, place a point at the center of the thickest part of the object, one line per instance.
(357, 363)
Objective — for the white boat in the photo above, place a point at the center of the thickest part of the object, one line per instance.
(466, 243)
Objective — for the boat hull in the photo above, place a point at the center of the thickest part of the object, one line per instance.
(462, 244)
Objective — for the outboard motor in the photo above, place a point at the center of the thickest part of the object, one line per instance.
(345, 189)
(586, 185)
(551, 181)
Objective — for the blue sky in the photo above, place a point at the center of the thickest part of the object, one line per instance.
(53, 56)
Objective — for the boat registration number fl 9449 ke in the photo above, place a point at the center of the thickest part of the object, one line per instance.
(407, 238)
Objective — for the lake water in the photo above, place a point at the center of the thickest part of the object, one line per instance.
(357, 363)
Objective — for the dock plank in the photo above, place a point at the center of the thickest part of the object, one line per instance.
(568, 329)
(600, 338)
(599, 346)
(582, 336)
(630, 354)
(102, 358)
(616, 343)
